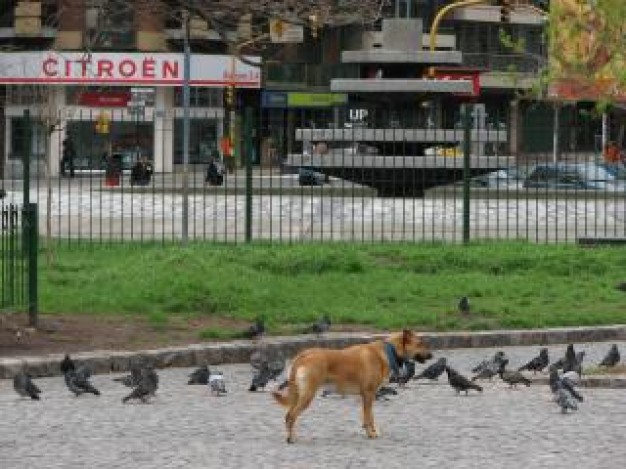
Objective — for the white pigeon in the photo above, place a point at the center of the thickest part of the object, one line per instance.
(216, 384)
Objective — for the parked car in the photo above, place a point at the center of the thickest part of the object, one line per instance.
(502, 178)
(574, 176)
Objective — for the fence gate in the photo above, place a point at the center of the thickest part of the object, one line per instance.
(18, 259)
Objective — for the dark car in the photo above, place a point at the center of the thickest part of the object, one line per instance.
(573, 176)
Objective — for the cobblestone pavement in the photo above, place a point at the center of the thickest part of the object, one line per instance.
(426, 425)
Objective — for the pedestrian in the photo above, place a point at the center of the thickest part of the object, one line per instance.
(141, 172)
(67, 158)
(214, 172)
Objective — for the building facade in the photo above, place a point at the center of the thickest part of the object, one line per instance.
(110, 75)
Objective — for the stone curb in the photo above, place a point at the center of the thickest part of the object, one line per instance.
(215, 353)
(611, 382)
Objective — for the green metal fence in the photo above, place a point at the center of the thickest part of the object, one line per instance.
(355, 172)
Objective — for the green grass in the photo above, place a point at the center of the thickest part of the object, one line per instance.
(511, 285)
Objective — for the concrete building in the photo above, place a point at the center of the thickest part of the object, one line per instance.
(109, 74)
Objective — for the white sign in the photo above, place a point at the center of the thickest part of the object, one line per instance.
(283, 32)
(121, 68)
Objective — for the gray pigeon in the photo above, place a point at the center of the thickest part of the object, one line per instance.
(459, 382)
(217, 384)
(464, 305)
(321, 326)
(565, 400)
(77, 377)
(566, 382)
(200, 375)
(433, 371)
(267, 371)
(132, 380)
(612, 357)
(147, 386)
(538, 363)
(256, 330)
(24, 386)
(489, 370)
(512, 378)
(385, 391)
(492, 364)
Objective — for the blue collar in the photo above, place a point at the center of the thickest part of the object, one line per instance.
(392, 358)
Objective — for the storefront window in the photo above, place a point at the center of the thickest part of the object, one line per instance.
(126, 137)
(37, 139)
(202, 140)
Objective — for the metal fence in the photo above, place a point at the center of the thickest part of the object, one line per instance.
(351, 173)
(13, 267)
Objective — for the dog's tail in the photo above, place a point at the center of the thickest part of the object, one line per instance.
(287, 393)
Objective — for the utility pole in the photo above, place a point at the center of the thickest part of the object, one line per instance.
(186, 78)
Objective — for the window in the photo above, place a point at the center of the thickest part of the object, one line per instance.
(200, 97)
(110, 25)
(37, 139)
(202, 140)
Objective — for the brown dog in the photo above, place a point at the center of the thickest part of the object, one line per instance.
(359, 369)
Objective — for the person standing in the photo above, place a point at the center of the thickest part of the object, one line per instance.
(67, 159)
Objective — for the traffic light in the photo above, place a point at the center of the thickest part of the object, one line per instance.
(505, 11)
(103, 123)
(230, 96)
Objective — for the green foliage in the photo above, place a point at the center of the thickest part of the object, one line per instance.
(382, 286)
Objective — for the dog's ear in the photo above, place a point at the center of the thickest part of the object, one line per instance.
(407, 336)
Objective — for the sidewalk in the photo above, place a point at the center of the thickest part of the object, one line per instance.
(108, 361)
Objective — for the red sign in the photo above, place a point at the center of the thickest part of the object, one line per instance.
(451, 73)
(104, 99)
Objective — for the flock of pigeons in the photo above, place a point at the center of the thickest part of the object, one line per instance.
(268, 365)
(564, 373)
(144, 380)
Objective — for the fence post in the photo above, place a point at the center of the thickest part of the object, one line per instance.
(467, 149)
(31, 237)
(26, 159)
(247, 152)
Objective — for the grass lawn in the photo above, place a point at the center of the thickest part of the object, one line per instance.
(510, 285)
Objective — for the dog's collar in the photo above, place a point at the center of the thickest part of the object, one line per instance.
(392, 358)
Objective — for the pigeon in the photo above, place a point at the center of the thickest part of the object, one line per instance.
(565, 382)
(77, 377)
(538, 363)
(513, 378)
(568, 362)
(24, 386)
(320, 327)
(217, 384)
(256, 330)
(464, 305)
(385, 391)
(433, 371)
(146, 387)
(488, 372)
(407, 372)
(132, 379)
(67, 364)
(492, 364)
(612, 358)
(77, 381)
(200, 375)
(565, 400)
(460, 382)
(268, 371)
